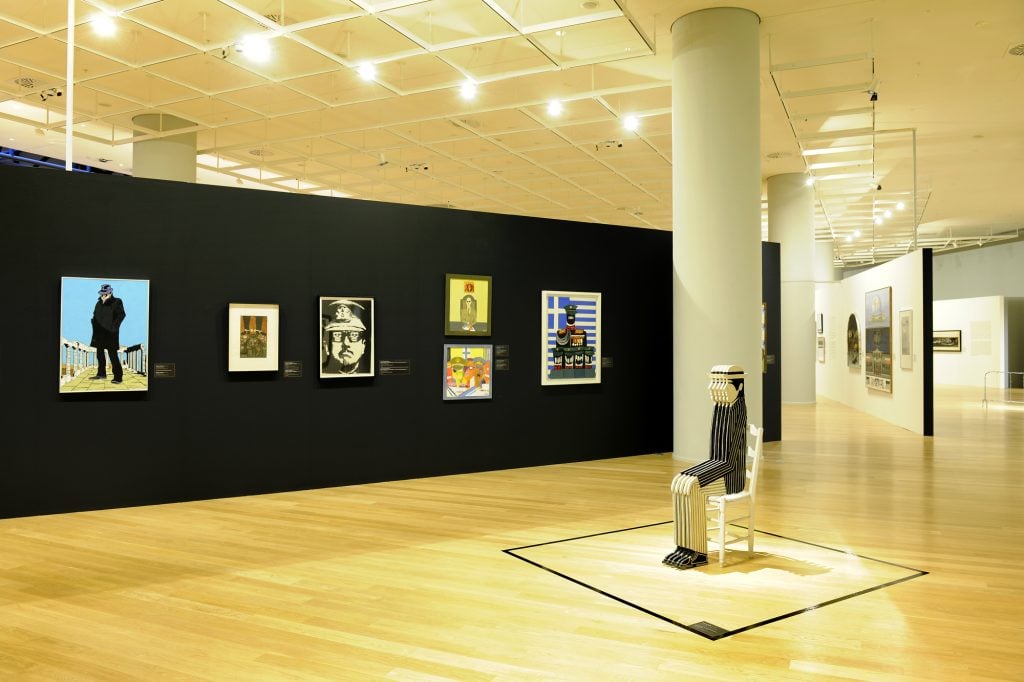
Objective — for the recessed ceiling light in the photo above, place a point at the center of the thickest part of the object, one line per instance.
(888, 213)
(900, 206)
(367, 71)
(631, 123)
(559, 33)
(589, 4)
(103, 25)
(856, 233)
(878, 220)
(468, 90)
(809, 181)
(555, 108)
(254, 48)
(849, 239)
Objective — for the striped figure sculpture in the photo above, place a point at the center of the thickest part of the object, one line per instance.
(724, 472)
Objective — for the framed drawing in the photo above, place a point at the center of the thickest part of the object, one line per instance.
(104, 335)
(821, 349)
(346, 337)
(570, 327)
(947, 341)
(878, 339)
(467, 305)
(467, 372)
(852, 343)
(906, 339)
(253, 337)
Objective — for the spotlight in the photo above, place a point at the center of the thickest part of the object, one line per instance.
(900, 206)
(809, 181)
(367, 71)
(468, 90)
(872, 95)
(631, 123)
(555, 108)
(255, 48)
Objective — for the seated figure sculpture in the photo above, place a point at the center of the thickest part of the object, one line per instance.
(724, 472)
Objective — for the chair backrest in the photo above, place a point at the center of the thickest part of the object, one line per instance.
(754, 456)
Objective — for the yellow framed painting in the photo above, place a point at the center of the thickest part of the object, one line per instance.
(467, 305)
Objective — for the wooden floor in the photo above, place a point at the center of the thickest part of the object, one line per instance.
(409, 580)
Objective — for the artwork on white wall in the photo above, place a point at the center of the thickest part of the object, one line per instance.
(906, 339)
(852, 343)
(946, 341)
(878, 339)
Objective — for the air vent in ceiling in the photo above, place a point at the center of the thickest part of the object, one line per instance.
(778, 155)
(26, 82)
(1017, 50)
(261, 152)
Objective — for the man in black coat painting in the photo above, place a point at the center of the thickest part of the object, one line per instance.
(106, 325)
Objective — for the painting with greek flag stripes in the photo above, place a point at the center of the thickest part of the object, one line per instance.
(570, 338)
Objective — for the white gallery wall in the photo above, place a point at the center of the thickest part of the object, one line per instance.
(834, 379)
(981, 322)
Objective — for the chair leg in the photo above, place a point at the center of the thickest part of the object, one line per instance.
(721, 533)
(750, 529)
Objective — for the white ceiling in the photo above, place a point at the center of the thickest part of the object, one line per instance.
(949, 87)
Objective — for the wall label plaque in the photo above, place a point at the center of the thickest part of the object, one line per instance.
(502, 364)
(292, 369)
(607, 362)
(395, 367)
(163, 370)
(502, 350)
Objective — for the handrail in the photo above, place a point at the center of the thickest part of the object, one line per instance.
(984, 398)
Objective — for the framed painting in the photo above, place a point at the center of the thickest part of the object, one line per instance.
(346, 337)
(821, 349)
(878, 339)
(104, 335)
(947, 341)
(906, 339)
(467, 305)
(467, 372)
(253, 337)
(852, 343)
(570, 325)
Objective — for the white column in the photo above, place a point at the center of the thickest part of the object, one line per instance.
(791, 223)
(716, 215)
(165, 158)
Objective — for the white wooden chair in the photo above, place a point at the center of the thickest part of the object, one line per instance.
(720, 506)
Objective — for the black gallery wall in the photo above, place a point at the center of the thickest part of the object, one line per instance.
(207, 433)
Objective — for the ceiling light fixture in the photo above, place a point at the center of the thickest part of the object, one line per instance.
(103, 25)
(888, 213)
(878, 220)
(849, 239)
(555, 108)
(631, 123)
(254, 48)
(468, 90)
(809, 182)
(367, 71)
(856, 233)
(900, 206)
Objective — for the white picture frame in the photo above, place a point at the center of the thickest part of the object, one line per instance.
(253, 337)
